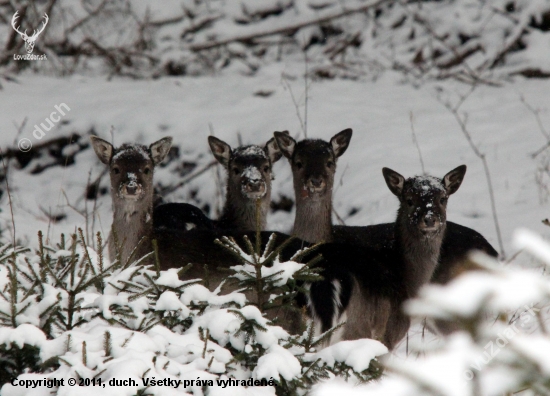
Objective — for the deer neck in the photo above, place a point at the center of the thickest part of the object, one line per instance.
(313, 222)
(420, 254)
(239, 212)
(133, 225)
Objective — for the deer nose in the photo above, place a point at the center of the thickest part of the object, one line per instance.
(253, 185)
(316, 182)
(429, 221)
(132, 187)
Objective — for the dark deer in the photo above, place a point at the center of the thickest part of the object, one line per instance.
(370, 284)
(249, 175)
(131, 168)
(313, 163)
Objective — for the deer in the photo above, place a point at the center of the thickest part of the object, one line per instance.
(370, 283)
(131, 169)
(313, 164)
(29, 40)
(249, 176)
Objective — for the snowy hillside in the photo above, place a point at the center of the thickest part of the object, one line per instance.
(378, 111)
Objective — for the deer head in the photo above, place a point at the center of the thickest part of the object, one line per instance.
(423, 199)
(131, 166)
(313, 162)
(249, 168)
(29, 40)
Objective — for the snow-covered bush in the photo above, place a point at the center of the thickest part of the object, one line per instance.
(504, 344)
(67, 314)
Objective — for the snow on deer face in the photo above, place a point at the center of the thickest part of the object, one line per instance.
(249, 168)
(423, 199)
(131, 166)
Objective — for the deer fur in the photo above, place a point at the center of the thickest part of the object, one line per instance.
(373, 281)
(131, 169)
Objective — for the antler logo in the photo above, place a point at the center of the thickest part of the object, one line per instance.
(29, 40)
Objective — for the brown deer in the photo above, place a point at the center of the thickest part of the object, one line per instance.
(249, 175)
(313, 163)
(131, 169)
(369, 284)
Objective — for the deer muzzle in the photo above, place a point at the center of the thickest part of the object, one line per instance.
(253, 189)
(131, 190)
(429, 224)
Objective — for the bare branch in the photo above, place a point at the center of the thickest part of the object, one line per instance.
(462, 121)
(289, 28)
(415, 141)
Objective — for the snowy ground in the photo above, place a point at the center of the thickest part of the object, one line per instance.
(377, 111)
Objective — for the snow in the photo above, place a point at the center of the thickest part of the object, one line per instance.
(250, 151)
(283, 271)
(129, 150)
(357, 354)
(530, 241)
(21, 335)
(276, 363)
(252, 173)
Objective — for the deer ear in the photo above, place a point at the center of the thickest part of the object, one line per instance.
(394, 181)
(159, 149)
(453, 179)
(340, 142)
(272, 150)
(103, 149)
(220, 149)
(286, 143)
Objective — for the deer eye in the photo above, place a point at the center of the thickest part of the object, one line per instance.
(116, 171)
(330, 164)
(443, 201)
(266, 168)
(236, 171)
(147, 171)
(409, 202)
(299, 164)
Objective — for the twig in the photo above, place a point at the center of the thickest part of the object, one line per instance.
(306, 92)
(340, 220)
(287, 85)
(415, 141)
(9, 195)
(462, 123)
(536, 113)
